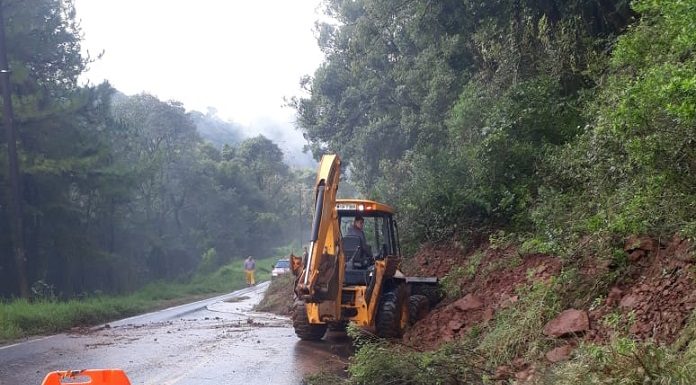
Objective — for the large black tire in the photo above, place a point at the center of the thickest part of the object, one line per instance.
(305, 330)
(432, 292)
(392, 314)
(418, 308)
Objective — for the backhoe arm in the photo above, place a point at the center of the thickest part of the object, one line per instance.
(321, 279)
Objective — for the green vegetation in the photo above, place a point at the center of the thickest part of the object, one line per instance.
(518, 330)
(451, 283)
(21, 318)
(533, 118)
(382, 362)
(120, 191)
(625, 361)
(324, 378)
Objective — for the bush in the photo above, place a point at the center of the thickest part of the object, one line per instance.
(537, 246)
(633, 170)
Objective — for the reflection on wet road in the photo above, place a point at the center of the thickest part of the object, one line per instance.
(218, 341)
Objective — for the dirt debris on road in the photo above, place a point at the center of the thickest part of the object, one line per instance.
(213, 343)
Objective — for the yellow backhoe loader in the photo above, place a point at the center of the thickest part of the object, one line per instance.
(349, 279)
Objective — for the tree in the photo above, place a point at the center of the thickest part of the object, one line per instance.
(449, 107)
(15, 199)
(44, 57)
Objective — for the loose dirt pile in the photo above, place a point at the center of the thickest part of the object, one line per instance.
(278, 298)
(657, 298)
(493, 287)
(651, 301)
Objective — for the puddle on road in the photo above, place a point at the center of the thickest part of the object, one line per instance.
(236, 299)
(330, 354)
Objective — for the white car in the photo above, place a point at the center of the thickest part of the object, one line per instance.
(281, 267)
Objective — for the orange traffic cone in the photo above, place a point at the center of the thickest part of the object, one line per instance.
(87, 377)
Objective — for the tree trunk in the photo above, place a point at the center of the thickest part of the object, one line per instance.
(15, 195)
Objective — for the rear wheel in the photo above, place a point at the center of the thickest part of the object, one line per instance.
(304, 329)
(418, 307)
(432, 292)
(392, 315)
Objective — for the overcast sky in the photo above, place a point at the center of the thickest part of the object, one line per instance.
(238, 56)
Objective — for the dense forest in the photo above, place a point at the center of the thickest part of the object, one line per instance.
(117, 191)
(553, 119)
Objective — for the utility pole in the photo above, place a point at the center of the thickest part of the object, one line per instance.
(15, 194)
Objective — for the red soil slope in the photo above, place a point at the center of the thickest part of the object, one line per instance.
(652, 300)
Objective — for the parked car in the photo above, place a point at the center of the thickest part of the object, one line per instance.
(281, 267)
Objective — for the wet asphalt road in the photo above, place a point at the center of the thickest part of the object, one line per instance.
(215, 341)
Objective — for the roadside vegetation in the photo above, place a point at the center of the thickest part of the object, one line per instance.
(20, 318)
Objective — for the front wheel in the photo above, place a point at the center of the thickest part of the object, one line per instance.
(304, 329)
(392, 314)
(418, 307)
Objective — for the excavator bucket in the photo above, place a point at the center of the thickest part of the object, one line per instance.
(87, 377)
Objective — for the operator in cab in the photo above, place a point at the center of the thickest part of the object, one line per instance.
(357, 230)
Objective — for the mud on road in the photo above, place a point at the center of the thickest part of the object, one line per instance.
(216, 341)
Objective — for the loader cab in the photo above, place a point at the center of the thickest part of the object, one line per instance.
(380, 231)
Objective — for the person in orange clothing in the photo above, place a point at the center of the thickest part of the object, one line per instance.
(249, 268)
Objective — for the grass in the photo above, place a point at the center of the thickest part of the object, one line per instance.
(624, 361)
(324, 378)
(21, 318)
(451, 284)
(379, 361)
(518, 330)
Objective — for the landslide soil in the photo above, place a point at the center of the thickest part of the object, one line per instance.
(278, 297)
(499, 272)
(651, 298)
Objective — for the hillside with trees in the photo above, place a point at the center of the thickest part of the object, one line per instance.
(541, 156)
(118, 191)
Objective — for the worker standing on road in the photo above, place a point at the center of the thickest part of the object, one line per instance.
(249, 268)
